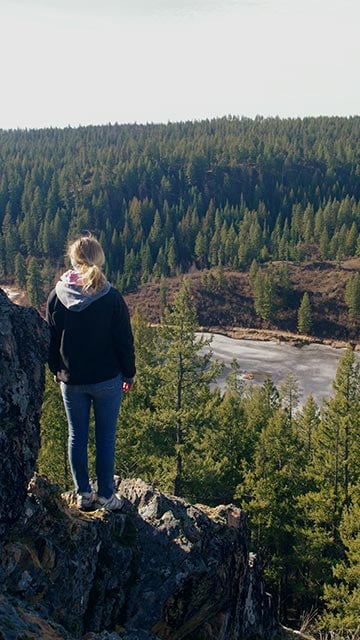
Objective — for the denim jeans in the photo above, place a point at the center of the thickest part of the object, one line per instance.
(106, 399)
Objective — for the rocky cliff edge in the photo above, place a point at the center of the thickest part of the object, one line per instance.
(163, 569)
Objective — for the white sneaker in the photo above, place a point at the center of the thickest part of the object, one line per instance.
(85, 501)
(114, 503)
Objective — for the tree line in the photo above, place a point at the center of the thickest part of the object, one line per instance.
(165, 198)
(294, 470)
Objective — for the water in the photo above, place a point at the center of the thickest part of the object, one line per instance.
(313, 366)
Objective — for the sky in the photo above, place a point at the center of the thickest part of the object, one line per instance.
(80, 62)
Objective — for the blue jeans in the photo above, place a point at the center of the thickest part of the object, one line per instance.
(106, 399)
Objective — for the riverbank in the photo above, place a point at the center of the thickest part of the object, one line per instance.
(275, 335)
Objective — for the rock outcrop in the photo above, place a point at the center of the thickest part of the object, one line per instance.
(162, 569)
(23, 346)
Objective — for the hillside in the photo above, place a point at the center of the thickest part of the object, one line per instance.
(169, 199)
(205, 199)
(226, 303)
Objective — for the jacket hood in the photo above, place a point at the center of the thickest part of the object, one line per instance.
(71, 294)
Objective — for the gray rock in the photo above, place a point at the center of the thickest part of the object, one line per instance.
(23, 347)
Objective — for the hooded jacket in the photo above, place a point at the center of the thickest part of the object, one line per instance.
(90, 333)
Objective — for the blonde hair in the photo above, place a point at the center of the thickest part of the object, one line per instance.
(87, 255)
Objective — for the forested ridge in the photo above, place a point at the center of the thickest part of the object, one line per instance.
(167, 197)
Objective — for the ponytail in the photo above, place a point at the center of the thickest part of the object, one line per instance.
(92, 277)
(88, 257)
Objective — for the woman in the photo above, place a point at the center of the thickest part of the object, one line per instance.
(92, 357)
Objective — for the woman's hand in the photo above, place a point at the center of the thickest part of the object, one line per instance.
(127, 386)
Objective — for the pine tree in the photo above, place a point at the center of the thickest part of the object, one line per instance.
(253, 271)
(343, 410)
(47, 275)
(225, 443)
(140, 444)
(268, 494)
(201, 250)
(305, 315)
(325, 245)
(20, 271)
(11, 242)
(262, 402)
(342, 599)
(285, 283)
(184, 373)
(2, 258)
(352, 297)
(34, 284)
(289, 394)
(333, 469)
(264, 294)
(307, 422)
(171, 258)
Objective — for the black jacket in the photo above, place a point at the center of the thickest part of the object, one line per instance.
(91, 345)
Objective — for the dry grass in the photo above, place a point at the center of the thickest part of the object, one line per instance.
(229, 307)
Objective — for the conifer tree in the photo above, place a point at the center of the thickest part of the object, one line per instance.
(352, 297)
(253, 271)
(34, 283)
(140, 442)
(222, 447)
(289, 394)
(20, 271)
(262, 402)
(201, 250)
(47, 275)
(304, 322)
(342, 599)
(307, 422)
(343, 410)
(333, 469)
(268, 494)
(2, 258)
(285, 283)
(184, 373)
(325, 245)
(264, 294)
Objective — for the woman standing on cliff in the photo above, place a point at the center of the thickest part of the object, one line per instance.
(92, 357)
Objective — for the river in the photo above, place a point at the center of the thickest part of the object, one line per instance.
(313, 366)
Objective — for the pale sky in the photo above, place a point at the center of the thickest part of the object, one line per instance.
(80, 62)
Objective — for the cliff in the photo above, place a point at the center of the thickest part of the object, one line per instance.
(163, 569)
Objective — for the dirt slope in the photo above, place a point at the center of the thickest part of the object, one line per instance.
(225, 303)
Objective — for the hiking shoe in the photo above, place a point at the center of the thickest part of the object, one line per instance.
(85, 501)
(114, 503)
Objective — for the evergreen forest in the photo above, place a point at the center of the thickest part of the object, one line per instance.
(233, 194)
(164, 198)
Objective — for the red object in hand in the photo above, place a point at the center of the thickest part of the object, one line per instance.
(126, 386)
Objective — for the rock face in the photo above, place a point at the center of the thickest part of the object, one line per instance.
(163, 569)
(23, 346)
